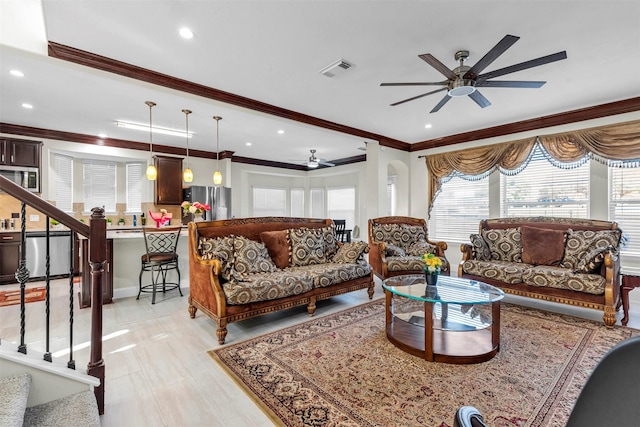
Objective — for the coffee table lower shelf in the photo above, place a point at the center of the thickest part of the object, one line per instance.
(460, 347)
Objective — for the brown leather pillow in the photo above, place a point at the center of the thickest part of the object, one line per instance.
(277, 243)
(542, 246)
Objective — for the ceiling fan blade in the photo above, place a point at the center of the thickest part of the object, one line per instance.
(431, 60)
(524, 65)
(510, 83)
(322, 162)
(419, 96)
(445, 82)
(504, 44)
(479, 99)
(440, 104)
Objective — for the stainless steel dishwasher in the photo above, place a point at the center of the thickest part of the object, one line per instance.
(59, 245)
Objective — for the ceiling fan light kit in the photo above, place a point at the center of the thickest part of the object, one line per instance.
(465, 81)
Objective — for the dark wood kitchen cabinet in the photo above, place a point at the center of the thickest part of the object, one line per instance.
(9, 256)
(18, 152)
(168, 185)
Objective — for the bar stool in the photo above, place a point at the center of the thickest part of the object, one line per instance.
(160, 258)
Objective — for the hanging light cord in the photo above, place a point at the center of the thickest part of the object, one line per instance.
(151, 105)
(186, 113)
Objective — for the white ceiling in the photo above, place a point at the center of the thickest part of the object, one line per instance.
(272, 51)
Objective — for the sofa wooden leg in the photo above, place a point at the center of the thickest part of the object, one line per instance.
(609, 317)
(221, 332)
(311, 308)
(371, 289)
(192, 311)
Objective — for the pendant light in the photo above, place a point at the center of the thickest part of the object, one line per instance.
(187, 176)
(152, 172)
(217, 176)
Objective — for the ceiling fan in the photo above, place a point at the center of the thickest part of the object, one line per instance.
(314, 161)
(465, 81)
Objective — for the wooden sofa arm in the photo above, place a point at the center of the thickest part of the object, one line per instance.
(467, 254)
(611, 267)
(377, 258)
(441, 247)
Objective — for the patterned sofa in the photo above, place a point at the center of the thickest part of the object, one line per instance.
(245, 267)
(565, 260)
(397, 243)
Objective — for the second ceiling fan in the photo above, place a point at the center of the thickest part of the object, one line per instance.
(465, 81)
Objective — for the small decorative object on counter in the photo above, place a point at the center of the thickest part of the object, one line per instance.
(121, 222)
(195, 208)
(108, 222)
(162, 218)
(143, 219)
(135, 220)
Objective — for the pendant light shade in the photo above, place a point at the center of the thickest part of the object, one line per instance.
(217, 176)
(187, 176)
(152, 172)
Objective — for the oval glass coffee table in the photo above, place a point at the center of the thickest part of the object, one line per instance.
(455, 321)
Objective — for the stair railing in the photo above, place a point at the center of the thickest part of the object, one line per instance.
(96, 233)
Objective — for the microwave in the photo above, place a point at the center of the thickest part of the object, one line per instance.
(26, 178)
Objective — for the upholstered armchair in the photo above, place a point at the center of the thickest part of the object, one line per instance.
(397, 243)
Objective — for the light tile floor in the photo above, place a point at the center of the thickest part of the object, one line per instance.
(158, 372)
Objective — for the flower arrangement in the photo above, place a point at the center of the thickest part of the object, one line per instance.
(195, 208)
(432, 264)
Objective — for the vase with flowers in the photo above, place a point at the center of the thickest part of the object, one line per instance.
(431, 269)
(196, 209)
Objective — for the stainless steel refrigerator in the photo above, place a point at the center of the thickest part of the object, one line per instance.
(219, 198)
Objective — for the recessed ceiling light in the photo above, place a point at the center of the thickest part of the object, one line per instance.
(186, 33)
(280, 131)
(427, 126)
(248, 144)
(25, 105)
(102, 135)
(17, 73)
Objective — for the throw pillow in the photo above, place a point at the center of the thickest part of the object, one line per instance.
(421, 248)
(504, 244)
(329, 241)
(393, 250)
(249, 257)
(387, 233)
(592, 261)
(278, 245)
(306, 247)
(220, 248)
(412, 234)
(580, 242)
(481, 250)
(541, 246)
(350, 252)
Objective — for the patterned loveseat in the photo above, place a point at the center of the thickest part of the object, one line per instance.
(565, 260)
(245, 267)
(397, 243)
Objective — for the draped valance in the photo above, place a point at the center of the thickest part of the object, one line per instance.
(616, 145)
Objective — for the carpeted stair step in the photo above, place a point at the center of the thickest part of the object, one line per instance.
(79, 409)
(14, 391)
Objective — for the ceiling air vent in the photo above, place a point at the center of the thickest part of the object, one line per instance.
(335, 68)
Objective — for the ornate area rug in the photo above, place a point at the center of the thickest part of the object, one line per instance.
(340, 370)
(30, 295)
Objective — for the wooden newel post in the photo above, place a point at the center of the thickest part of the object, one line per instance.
(97, 259)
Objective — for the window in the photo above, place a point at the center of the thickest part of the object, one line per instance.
(99, 185)
(391, 195)
(458, 209)
(624, 205)
(543, 189)
(63, 169)
(269, 201)
(297, 202)
(317, 203)
(134, 187)
(341, 204)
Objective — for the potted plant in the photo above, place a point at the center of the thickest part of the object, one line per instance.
(121, 222)
(108, 222)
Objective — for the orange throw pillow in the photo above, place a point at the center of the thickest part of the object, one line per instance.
(542, 246)
(277, 243)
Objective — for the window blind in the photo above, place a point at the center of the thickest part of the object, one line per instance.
(63, 168)
(269, 201)
(99, 185)
(391, 195)
(316, 196)
(458, 209)
(297, 202)
(624, 206)
(134, 187)
(341, 204)
(543, 189)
